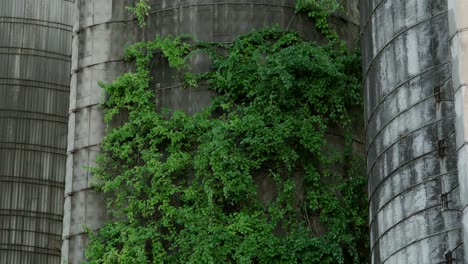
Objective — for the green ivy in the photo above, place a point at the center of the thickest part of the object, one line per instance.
(250, 179)
(320, 11)
(141, 11)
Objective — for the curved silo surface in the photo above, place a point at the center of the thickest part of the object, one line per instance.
(410, 140)
(35, 50)
(102, 30)
(223, 21)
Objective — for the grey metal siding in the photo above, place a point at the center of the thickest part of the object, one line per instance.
(35, 49)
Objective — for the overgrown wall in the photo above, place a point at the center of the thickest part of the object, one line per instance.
(410, 132)
(35, 49)
(102, 29)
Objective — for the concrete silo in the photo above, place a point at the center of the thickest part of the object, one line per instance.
(458, 40)
(35, 49)
(412, 133)
(102, 29)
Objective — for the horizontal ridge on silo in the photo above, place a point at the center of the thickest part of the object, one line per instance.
(35, 50)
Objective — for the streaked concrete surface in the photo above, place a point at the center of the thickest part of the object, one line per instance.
(410, 132)
(102, 29)
(35, 49)
(458, 35)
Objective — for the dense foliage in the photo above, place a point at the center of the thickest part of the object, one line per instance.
(250, 179)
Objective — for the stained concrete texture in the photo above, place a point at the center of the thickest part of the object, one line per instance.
(102, 29)
(410, 132)
(35, 49)
(458, 35)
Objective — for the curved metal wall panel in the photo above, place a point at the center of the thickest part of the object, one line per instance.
(35, 49)
(412, 164)
(102, 29)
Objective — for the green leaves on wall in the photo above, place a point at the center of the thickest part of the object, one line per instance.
(251, 178)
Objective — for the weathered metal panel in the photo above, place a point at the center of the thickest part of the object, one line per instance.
(35, 49)
(412, 164)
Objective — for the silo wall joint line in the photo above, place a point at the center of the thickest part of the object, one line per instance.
(448, 255)
(419, 240)
(432, 178)
(391, 41)
(401, 221)
(459, 87)
(408, 133)
(409, 108)
(400, 85)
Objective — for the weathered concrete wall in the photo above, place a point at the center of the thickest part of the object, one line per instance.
(222, 21)
(35, 49)
(458, 35)
(102, 29)
(410, 132)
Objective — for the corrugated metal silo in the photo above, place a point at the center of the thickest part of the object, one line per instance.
(35, 49)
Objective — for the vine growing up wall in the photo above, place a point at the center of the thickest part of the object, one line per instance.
(251, 178)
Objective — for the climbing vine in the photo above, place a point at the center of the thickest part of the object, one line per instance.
(250, 178)
(141, 11)
(320, 11)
